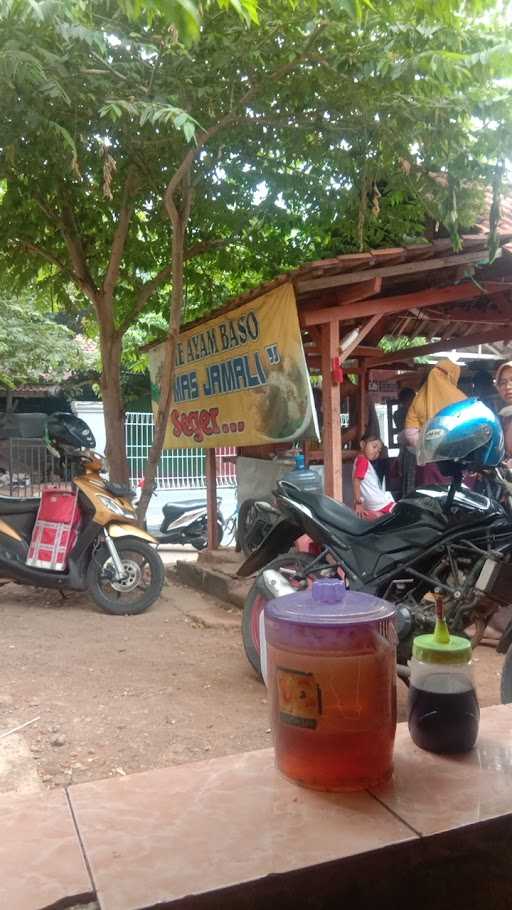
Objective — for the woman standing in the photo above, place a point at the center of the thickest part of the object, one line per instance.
(437, 392)
(504, 386)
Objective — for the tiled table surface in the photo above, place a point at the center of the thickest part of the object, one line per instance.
(213, 824)
(161, 835)
(41, 861)
(434, 794)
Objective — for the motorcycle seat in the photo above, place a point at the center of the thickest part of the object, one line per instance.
(336, 514)
(180, 508)
(18, 505)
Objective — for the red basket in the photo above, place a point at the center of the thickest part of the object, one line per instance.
(55, 531)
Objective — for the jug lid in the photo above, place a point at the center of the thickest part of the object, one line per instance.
(430, 650)
(328, 603)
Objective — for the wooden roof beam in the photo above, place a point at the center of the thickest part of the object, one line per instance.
(360, 291)
(387, 271)
(462, 341)
(314, 362)
(402, 302)
(365, 350)
(362, 332)
(362, 350)
(354, 292)
(460, 315)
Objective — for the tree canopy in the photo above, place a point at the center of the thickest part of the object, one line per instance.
(34, 348)
(204, 147)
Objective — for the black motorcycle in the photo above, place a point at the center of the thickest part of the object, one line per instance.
(256, 518)
(438, 540)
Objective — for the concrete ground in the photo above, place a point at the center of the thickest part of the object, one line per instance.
(108, 695)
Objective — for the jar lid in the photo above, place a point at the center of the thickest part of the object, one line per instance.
(328, 603)
(430, 650)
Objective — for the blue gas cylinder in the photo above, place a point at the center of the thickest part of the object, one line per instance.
(303, 478)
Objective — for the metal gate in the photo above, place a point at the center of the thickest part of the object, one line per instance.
(179, 469)
(28, 464)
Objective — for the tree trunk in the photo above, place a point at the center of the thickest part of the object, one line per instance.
(167, 375)
(111, 347)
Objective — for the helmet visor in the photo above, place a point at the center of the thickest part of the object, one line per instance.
(440, 444)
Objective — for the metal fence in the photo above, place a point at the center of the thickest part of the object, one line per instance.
(179, 469)
(26, 464)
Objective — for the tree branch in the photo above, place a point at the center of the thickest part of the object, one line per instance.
(27, 247)
(77, 254)
(203, 138)
(52, 216)
(145, 292)
(207, 246)
(79, 276)
(120, 235)
(148, 289)
(109, 65)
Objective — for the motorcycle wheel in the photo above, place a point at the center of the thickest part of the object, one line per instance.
(200, 543)
(256, 601)
(253, 527)
(140, 588)
(506, 679)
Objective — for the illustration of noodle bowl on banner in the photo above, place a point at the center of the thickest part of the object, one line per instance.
(241, 379)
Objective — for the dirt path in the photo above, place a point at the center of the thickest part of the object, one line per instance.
(117, 695)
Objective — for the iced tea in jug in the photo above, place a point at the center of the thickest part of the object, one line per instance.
(331, 657)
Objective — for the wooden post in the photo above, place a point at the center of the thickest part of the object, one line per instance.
(363, 400)
(211, 497)
(331, 411)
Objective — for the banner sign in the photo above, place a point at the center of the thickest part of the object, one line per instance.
(241, 379)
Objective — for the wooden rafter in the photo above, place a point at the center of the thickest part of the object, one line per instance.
(359, 291)
(339, 296)
(399, 304)
(503, 334)
(473, 316)
(406, 268)
(447, 331)
(365, 350)
(361, 333)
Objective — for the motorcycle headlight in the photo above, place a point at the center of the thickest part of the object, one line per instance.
(95, 461)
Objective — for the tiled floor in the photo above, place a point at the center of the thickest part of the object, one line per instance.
(41, 861)
(159, 836)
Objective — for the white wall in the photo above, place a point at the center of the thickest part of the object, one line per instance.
(92, 413)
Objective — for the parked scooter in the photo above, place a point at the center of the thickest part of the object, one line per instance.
(438, 540)
(112, 558)
(187, 523)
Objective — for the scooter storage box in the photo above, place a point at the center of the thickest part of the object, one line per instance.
(56, 529)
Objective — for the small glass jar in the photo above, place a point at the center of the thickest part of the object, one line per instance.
(443, 707)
